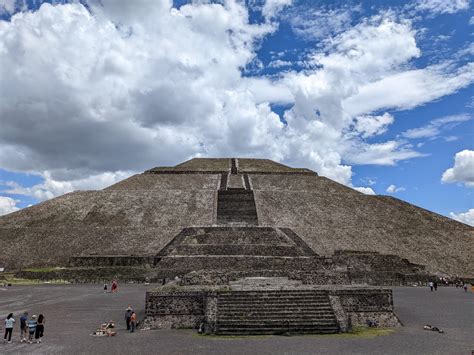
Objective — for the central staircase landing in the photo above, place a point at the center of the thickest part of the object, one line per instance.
(275, 312)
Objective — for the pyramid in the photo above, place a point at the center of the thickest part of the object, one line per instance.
(244, 214)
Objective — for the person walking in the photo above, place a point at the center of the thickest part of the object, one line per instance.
(32, 323)
(39, 328)
(128, 315)
(431, 285)
(464, 286)
(133, 322)
(23, 327)
(114, 287)
(435, 284)
(9, 323)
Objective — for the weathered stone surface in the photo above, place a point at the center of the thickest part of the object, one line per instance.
(267, 311)
(144, 213)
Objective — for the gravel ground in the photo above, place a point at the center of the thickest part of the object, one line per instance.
(73, 311)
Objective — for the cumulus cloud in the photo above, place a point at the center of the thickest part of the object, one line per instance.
(119, 87)
(365, 190)
(443, 6)
(7, 205)
(463, 169)
(392, 189)
(369, 125)
(466, 217)
(435, 127)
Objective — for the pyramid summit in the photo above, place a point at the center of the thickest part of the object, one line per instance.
(254, 216)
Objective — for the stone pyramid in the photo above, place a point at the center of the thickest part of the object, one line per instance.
(254, 212)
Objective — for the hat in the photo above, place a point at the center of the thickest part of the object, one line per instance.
(129, 308)
(33, 316)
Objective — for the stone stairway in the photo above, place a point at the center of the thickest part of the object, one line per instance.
(275, 312)
(236, 207)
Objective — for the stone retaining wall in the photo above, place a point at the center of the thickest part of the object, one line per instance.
(111, 260)
(189, 309)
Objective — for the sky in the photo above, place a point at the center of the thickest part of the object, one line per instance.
(376, 95)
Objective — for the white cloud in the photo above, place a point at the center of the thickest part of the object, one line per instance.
(271, 7)
(443, 6)
(369, 126)
(463, 169)
(7, 205)
(387, 153)
(131, 85)
(411, 88)
(471, 21)
(7, 7)
(51, 188)
(365, 190)
(278, 63)
(318, 23)
(392, 189)
(466, 217)
(435, 127)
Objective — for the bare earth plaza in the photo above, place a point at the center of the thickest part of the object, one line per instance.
(238, 256)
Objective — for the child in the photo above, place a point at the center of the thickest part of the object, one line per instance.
(9, 323)
(133, 321)
(32, 323)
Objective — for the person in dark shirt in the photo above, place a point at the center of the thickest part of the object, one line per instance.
(23, 327)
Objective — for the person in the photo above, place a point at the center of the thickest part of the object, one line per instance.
(128, 315)
(465, 287)
(114, 286)
(9, 323)
(23, 327)
(435, 284)
(32, 328)
(133, 321)
(105, 288)
(431, 285)
(39, 328)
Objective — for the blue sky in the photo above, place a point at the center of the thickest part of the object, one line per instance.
(376, 95)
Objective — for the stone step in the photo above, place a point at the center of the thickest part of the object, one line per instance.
(275, 294)
(270, 310)
(241, 238)
(272, 293)
(275, 322)
(233, 249)
(276, 302)
(294, 329)
(234, 212)
(271, 316)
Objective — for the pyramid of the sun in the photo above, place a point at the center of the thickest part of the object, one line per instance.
(143, 214)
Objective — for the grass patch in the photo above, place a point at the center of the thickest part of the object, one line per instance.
(43, 269)
(18, 281)
(360, 332)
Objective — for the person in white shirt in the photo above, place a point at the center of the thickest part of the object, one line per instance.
(9, 323)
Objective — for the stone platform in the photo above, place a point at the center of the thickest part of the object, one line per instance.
(269, 306)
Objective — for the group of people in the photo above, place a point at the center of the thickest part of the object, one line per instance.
(32, 328)
(434, 285)
(113, 286)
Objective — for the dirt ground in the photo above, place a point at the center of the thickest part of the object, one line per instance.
(74, 311)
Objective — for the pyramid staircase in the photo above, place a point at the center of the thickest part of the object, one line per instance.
(275, 312)
(236, 207)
